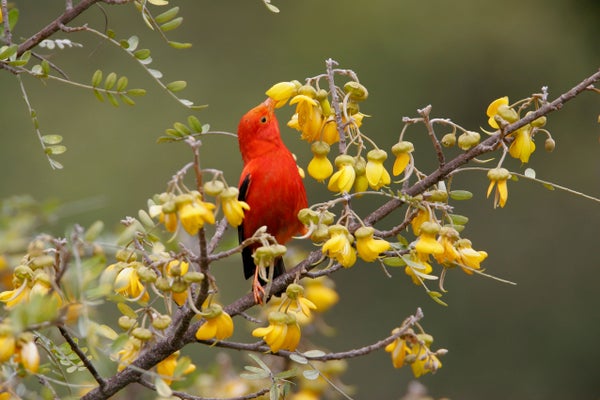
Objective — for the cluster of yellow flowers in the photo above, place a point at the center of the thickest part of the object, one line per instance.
(20, 348)
(413, 349)
(190, 209)
(294, 309)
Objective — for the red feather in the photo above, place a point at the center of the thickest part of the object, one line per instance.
(270, 182)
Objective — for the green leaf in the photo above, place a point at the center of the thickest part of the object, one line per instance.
(436, 296)
(110, 33)
(55, 150)
(173, 132)
(122, 83)
(548, 186)
(52, 139)
(194, 123)
(262, 375)
(167, 15)
(126, 310)
(460, 195)
(145, 219)
(7, 51)
(179, 45)
(93, 231)
(132, 43)
(45, 67)
(126, 99)
(173, 24)
(176, 86)
(98, 95)
(394, 262)
(314, 353)
(298, 358)
(112, 99)
(55, 164)
(162, 389)
(136, 92)
(181, 128)
(13, 18)
(97, 78)
(260, 362)
(458, 219)
(155, 73)
(110, 81)
(311, 374)
(142, 54)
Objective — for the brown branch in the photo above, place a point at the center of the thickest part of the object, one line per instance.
(86, 361)
(70, 14)
(164, 347)
(425, 112)
(486, 146)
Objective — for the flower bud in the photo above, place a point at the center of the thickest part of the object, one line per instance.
(344, 159)
(539, 122)
(320, 234)
(307, 90)
(549, 145)
(126, 323)
(147, 275)
(193, 277)
(449, 140)
(213, 188)
(161, 322)
(141, 333)
(438, 195)
(468, 139)
(430, 228)
(308, 216)
(126, 255)
(162, 284)
(319, 148)
(498, 174)
(293, 291)
(402, 147)
(356, 91)
(327, 217)
(179, 286)
(364, 232)
(23, 272)
(42, 261)
(508, 114)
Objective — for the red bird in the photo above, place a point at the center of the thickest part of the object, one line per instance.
(271, 185)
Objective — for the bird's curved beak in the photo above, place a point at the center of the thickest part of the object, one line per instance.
(269, 103)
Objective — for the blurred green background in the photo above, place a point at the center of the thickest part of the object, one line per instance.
(536, 340)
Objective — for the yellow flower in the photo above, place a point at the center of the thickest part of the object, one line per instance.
(27, 354)
(469, 258)
(369, 248)
(16, 296)
(193, 215)
(129, 352)
(232, 207)
(218, 324)
(128, 284)
(399, 350)
(321, 293)
(418, 269)
(498, 178)
(8, 344)
(492, 110)
(427, 243)
(320, 167)
(283, 332)
(448, 236)
(377, 175)
(523, 146)
(309, 117)
(330, 134)
(343, 179)
(306, 394)
(425, 361)
(295, 296)
(422, 216)
(281, 92)
(339, 246)
(361, 183)
(166, 368)
(402, 152)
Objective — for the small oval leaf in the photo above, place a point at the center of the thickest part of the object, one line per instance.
(97, 78)
(167, 15)
(110, 81)
(173, 24)
(176, 86)
(179, 45)
(122, 83)
(52, 139)
(55, 150)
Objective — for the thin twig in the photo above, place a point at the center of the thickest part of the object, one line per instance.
(86, 361)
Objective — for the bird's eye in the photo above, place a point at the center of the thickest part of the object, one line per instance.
(263, 120)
